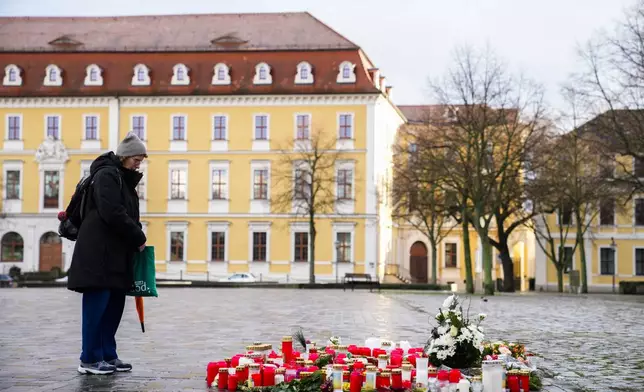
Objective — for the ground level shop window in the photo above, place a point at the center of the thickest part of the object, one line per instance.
(176, 245)
(218, 246)
(301, 246)
(607, 261)
(344, 247)
(12, 247)
(259, 246)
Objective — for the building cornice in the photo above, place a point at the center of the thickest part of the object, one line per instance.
(57, 102)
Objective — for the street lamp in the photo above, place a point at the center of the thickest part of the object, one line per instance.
(613, 246)
(337, 259)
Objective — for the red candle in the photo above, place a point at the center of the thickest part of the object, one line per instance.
(257, 379)
(396, 378)
(379, 381)
(222, 382)
(268, 376)
(232, 382)
(524, 379)
(513, 382)
(287, 348)
(356, 382)
(211, 373)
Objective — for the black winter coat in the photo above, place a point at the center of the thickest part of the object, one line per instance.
(111, 231)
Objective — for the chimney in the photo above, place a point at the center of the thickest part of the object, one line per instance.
(374, 73)
(382, 83)
(388, 91)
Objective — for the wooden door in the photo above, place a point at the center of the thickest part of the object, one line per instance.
(51, 252)
(418, 262)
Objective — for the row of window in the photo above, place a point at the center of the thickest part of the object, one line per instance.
(607, 260)
(179, 127)
(607, 216)
(180, 75)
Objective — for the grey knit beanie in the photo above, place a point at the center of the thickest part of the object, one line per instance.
(131, 146)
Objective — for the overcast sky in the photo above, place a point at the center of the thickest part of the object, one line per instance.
(409, 40)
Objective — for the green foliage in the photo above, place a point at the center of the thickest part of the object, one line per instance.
(535, 382)
(323, 360)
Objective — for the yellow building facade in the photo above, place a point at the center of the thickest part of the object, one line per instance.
(208, 194)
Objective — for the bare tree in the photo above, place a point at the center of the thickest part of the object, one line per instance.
(495, 121)
(305, 179)
(417, 193)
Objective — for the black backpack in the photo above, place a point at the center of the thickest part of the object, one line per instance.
(72, 217)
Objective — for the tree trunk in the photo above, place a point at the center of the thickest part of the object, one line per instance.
(582, 256)
(488, 283)
(469, 281)
(508, 267)
(434, 247)
(560, 279)
(312, 255)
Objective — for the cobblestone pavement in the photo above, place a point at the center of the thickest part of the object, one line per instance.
(591, 343)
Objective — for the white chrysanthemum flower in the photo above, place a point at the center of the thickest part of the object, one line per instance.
(453, 331)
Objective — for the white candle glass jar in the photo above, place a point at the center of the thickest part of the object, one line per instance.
(493, 376)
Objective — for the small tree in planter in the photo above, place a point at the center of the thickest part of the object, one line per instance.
(456, 341)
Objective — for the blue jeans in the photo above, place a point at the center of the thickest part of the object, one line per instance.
(102, 311)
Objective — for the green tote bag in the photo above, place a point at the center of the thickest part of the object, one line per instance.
(145, 284)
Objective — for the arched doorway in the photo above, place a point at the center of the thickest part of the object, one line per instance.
(418, 262)
(51, 252)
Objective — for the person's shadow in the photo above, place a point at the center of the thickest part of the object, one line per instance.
(92, 382)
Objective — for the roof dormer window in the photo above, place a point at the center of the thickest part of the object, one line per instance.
(12, 76)
(93, 75)
(221, 74)
(263, 74)
(304, 73)
(346, 73)
(141, 75)
(53, 76)
(180, 75)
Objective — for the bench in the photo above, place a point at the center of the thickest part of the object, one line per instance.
(353, 280)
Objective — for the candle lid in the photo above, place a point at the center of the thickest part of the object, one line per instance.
(338, 366)
(407, 366)
(227, 359)
(240, 368)
(252, 347)
(305, 374)
(342, 347)
(493, 362)
(477, 378)
(396, 371)
(299, 360)
(308, 362)
(383, 356)
(287, 339)
(267, 347)
(345, 372)
(253, 365)
(385, 374)
(386, 343)
(257, 343)
(524, 372)
(372, 368)
(280, 371)
(223, 370)
(432, 370)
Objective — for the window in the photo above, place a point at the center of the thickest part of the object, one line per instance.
(639, 167)
(180, 75)
(345, 184)
(140, 188)
(301, 246)
(14, 127)
(261, 127)
(263, 74)
(219, 125)
(12, 247)
(178, 184)
(13, 184)
(607, 213)
(259, 246)
(91, 128)
(607, 261)
(141, 75)
(53, 76)
(176, 245)
(304, 74)
(52, 184)
(450, 255)
(218, 251)
(301, 186)
(12, 76)
(93, 75)
(343, 247)
(138, 126)
(639, 261)
(346, 126)
(219, 187)
(53, 127)
(260, 184)
(221, 74)
(346, 73)
(567, 258)
(178, 128)
(639, 212)
(303, 122)
(566, 215)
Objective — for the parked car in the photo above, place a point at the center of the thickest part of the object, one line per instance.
(6, 281)
(242, 277)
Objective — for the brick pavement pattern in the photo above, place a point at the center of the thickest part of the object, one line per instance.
(589, 343)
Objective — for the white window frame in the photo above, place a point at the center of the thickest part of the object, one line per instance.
(171, 227)
(216, 144)
(60, 126)
(6, 81)
(347, 143)
(145, 124)
(269, 77)
(179, 145)
(218, 227)
(143, 203)
(635, 199)
(60, 168)
(450, 240)
(219, 206)
(298, 75)
(175, 78)
(599, 215)
(58, 81)
(260, 144)
(14, 144)
(635, 249)
(615, 260)
(89, 144)
(84, 165)
(573, 265)
(14, 205)
(352, 73)
(344, 227)
(221, 82)
(299, 206)
(178, 205)
(345, 206)
(88, 72)
(260, 206)
(146, 78)
(299, 227)
(305, 143)
(259, 227)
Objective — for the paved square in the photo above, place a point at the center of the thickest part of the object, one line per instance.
(590, 343)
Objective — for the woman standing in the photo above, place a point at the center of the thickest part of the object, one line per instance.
(103, 262)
